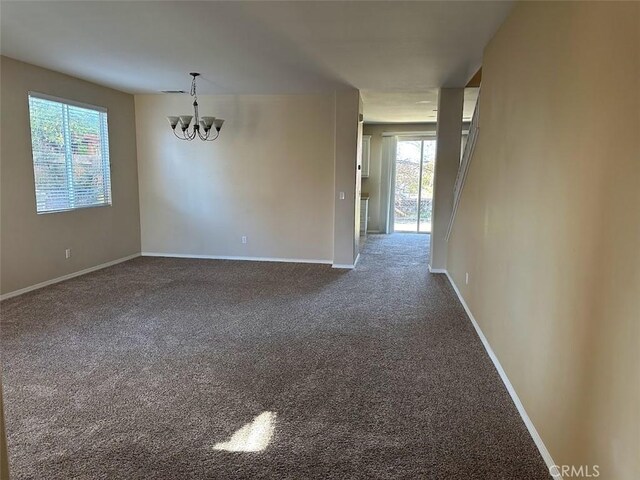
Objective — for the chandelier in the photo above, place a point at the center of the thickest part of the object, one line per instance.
(202, 127)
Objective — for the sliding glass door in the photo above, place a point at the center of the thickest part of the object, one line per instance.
(415, 161)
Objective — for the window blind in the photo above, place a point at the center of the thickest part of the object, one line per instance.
(70, 147)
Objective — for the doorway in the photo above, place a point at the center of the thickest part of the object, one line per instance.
(413, 193)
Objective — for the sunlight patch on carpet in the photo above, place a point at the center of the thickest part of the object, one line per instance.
(252, 437)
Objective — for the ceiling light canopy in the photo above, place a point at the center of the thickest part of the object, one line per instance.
(202, 127)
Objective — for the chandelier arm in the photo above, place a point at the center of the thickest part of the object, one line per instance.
(178, 136)
(205, 136)
(214, 138)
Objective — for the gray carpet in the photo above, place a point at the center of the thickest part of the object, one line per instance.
(139, 370)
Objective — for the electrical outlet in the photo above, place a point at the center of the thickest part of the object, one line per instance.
(466, 278)
(341, 195)
(244, 239)
(67, 253)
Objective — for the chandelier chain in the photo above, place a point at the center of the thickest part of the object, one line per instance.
(193, 88)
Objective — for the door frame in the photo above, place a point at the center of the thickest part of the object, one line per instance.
(408, 137)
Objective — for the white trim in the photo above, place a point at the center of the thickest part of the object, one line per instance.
(436, 270)
(346, 266)
(233, 257)
(349, 266)
(69, 276)
(67, 101)
(503, 375)
(427, 133)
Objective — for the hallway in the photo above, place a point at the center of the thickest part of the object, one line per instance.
(187, 369)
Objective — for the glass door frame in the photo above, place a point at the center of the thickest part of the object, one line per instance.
(416, 137)
(420, 186)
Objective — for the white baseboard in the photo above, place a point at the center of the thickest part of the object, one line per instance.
(503, 375)
(15, 293)
(232, 257)
(347, 266)
(437, 270)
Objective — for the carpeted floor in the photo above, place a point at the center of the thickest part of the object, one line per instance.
(145, 370)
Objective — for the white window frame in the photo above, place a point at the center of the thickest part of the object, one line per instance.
(104, 146)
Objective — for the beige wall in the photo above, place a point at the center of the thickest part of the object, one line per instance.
(348, 134)
(358, 175)
(32, 247)
(268, 177)
(371, 184)
(549, 225)
(448, 138)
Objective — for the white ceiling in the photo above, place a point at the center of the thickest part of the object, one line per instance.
(389, 50)
(418, 107)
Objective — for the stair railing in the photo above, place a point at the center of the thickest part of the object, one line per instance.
(464, 164)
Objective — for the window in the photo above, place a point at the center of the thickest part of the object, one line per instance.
(70, 147)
